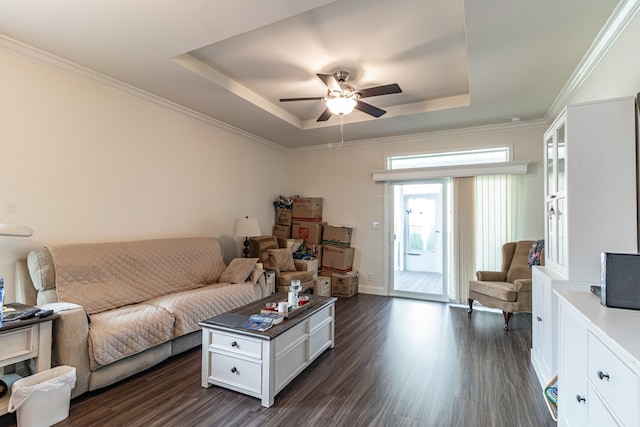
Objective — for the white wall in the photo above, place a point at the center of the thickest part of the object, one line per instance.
(82, 162)
(341, 175)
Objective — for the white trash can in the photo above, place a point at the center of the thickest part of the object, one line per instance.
(43, 399)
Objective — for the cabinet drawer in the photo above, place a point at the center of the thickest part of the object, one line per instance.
(597, 413)
(616, 383)
(291, 338)
(319, 340)
(236, 344)
(318, 318)
(19, 344)
(236, 372)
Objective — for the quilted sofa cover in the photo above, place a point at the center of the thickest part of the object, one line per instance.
(128, 305)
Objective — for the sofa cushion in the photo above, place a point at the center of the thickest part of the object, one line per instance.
(500, 290)
(41, 269)
(125, 331)
(519, 268)
(190, 307)
(281, 259)
(238, 270)
(104, 276)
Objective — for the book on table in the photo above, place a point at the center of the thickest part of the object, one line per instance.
(258, 322)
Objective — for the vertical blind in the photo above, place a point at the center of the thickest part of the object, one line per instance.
(497, 211)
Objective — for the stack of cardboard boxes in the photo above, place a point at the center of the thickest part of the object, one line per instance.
(304, 221)
(337, 260)
(330, 245)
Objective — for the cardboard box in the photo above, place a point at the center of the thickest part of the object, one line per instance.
(282, 231)
(312, 265)
(307, 209)
(336, 235)
(284, 217)
(322, 286)
(337, 259)
(344, 285)
(311, 232)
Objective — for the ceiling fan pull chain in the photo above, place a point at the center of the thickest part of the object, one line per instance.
(341, 129)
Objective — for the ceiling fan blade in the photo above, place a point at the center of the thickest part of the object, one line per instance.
(369, 109)
(380, 90)
(324, 116)
(315, 98)
(330, 81)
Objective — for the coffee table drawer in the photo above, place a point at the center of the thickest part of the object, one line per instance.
(236, 344)
(236, 372)
(319, 318)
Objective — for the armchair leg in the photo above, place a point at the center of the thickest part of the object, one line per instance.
(470, 301)
(507, 317)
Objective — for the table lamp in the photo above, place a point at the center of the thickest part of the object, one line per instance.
(246, 227)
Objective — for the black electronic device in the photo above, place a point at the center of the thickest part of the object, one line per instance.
(620, 280)
(43, 313)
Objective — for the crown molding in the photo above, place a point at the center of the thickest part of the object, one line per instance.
(622, 14)
(60, 64)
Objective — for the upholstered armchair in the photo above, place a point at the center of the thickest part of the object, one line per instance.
(508, 289)
(277, 255)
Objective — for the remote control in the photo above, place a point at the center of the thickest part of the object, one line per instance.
(28, 314)
(43, 313)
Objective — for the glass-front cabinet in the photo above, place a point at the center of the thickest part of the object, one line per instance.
(555, 194)
(590, 188)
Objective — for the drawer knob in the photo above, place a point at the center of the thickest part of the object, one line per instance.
(580, 398)
(233, 370)
(539, 318)
(234, 344)
(602, 375)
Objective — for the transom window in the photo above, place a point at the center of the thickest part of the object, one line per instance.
(454, 158)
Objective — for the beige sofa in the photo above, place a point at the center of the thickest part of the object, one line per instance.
(126, 306)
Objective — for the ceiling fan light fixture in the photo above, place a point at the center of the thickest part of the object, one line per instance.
(340, 105)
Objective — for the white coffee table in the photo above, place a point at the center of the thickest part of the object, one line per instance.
(261, 364)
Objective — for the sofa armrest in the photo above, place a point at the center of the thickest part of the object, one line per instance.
(70, 345)
(522, 285)
(491, 276)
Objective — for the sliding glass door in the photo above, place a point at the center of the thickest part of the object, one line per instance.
(420, 239)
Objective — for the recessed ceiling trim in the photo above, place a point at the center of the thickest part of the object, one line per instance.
(397, 111)
(191, 63)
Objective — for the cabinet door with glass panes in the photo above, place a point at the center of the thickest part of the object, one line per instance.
(555, 195)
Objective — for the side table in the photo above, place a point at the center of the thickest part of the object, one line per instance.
(23, 340)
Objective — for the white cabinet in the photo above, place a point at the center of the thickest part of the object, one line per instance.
(599, 363)
(544, 320)
(572, 369)
(590, 187)
(590, 207)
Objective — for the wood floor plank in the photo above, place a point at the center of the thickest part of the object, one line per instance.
(396, 362)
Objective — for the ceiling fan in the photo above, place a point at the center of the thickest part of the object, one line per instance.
(342, 98)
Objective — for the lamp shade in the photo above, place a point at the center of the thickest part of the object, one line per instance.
(15, 230)
(246, 227)
(340, 105)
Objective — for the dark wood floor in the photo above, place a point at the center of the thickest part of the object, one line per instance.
(396, 362)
